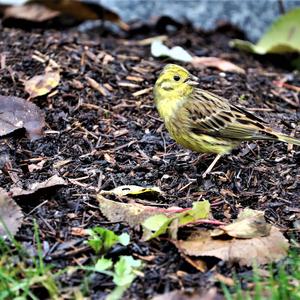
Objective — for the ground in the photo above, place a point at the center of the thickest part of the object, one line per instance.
(115, 137)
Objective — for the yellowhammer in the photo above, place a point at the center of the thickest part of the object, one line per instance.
(204, 122)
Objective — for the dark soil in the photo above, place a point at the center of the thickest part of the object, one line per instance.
(116, 138)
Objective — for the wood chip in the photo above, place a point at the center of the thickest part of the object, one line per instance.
(128, 84)
(97, 86)
(135, 78)
(142, 92)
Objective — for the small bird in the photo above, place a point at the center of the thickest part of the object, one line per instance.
(204, 122)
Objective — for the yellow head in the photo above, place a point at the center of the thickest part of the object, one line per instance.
(174, 85)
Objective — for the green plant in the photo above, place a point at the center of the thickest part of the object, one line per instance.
(21, 274)
(101, 239)
(123, 272)
(281, 283)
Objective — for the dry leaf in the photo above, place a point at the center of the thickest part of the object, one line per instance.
(33, 12)
(154, 220)
(54, 181)
(215, 62)
(11, 216)
(83, 11)
(250, 223)
(16, 113)
(132, 190)
(261, 250)
(42, 84)
(131, 213)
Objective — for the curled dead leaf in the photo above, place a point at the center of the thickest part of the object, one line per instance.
(32, 12)
(260, 250)
(16, 113)
(54, 181)
(250, 223)
(83, 11)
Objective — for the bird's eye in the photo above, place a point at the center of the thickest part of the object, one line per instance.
(176, 78)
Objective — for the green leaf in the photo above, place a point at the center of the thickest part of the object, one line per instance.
(154, 226)
(125, 270)
(282, 37)
(200, 210)
(96, 244)
(103, 239)
(124, 239)
(103, 264)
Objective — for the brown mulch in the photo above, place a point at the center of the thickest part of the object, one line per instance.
(113, 136)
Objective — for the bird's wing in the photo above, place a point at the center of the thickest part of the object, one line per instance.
(213, 115)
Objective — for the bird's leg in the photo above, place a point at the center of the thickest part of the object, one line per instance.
(208, 170)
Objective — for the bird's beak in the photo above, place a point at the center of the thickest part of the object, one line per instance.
(193, 80)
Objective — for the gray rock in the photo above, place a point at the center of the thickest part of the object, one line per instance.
(252, 16)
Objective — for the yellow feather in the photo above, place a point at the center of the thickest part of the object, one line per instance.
(202, 121)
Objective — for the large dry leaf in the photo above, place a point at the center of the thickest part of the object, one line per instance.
(250, 223)
(42, 84)
(11, 216)
(131, 213)
(54, 181)
(83, 10)
(16, 113)
(260, 250)
(155, 220)
(35, 12)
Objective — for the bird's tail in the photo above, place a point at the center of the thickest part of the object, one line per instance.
(287, 139)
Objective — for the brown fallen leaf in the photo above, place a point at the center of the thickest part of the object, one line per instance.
(250, 223)
(11, 216)
(54, 181)
(42, 84)
(83, 10)
(131, 213)
(16, 113)
(34, 12)
(261, 250)
(215, 62)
